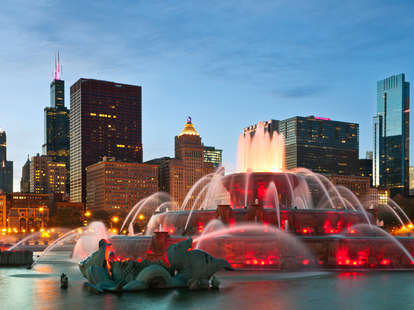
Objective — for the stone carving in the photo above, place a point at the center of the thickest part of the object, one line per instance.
(189, 269)
(195, 268)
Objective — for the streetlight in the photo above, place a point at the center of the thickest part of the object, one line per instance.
(114, 219)
(88, 213)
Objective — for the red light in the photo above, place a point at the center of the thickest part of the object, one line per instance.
(247, 262)
(255, 261)
(305, 262)
(171, 230)
(200, 227)
(261, 191)
(149, 251)
(385, 261)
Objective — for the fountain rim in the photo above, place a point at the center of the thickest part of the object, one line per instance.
(250, 173)
(241, 210)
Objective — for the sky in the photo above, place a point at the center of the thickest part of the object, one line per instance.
(227, 64)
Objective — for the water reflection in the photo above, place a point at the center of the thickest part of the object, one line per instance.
(240, 290)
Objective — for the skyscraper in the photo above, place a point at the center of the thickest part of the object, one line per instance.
(47, 176)
(177, 175)
(25, 180)
(317, 143)
(213, 155)
(391, 135)
(56, 134)
(105, 120)
(6, 166)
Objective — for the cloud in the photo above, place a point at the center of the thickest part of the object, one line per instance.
(301, 91)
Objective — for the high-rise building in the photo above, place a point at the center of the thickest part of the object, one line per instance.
(365, 168)
(117, 186)
(213, 155)
(6, 166)
(105, 120)
(47, 176)
(177, 175)
(25, 180)
(56, 134)
(317, 143)
(391, 135)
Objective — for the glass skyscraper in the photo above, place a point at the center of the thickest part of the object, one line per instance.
(213, 155)
(391, 135)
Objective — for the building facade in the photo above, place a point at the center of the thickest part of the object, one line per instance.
(25, 179)
(365, 169)
(28, 211)
(105, 120)
(213, 155)
(319, 144)
(3, 210)
(47, 176)
(117, 186)
(358, 185)
(177, 175)
(6, 166)
(391, 135)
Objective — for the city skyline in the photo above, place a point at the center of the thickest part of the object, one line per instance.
(204, 72)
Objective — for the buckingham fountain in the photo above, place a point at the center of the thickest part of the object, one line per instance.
(265, 217)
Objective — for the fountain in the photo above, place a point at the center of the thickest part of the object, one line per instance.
(266, 217)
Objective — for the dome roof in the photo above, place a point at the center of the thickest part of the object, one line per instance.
(189, 129)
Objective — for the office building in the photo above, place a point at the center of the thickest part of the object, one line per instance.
(25, 179)
(56, 135)
(47, 176)
(177, 175)
(365, 168)
(117, 186)
(105, 120)
(213, 155)
(317, 143)
(391, 135)
(6, 166)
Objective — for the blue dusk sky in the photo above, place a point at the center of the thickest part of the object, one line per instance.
(228, 64)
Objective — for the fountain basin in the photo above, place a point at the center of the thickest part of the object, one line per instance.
(268, 252)
(311, 222)
(16, 258)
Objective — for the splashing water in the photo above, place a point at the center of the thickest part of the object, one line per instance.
(262, 152)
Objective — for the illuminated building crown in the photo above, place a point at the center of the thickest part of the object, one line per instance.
(189, 129)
